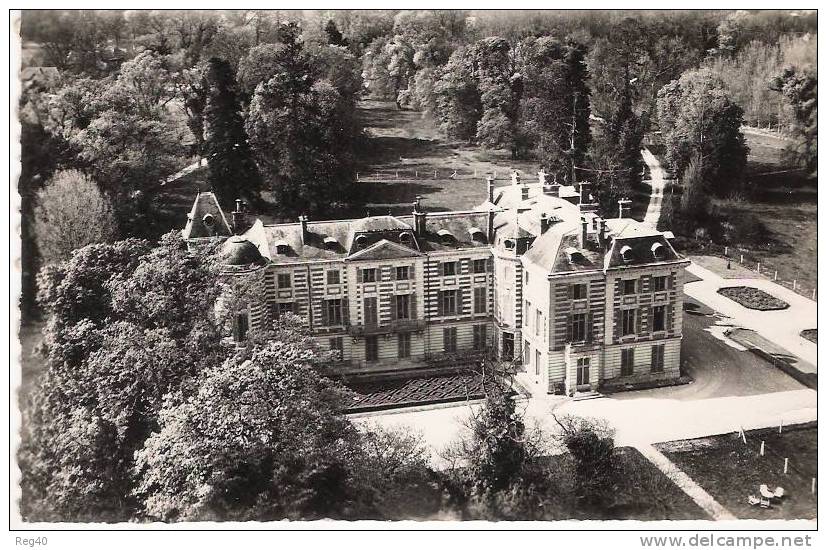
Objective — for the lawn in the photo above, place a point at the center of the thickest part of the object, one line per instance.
(730, 470)
(785, 202)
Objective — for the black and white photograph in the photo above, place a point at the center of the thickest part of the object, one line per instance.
(436, 269)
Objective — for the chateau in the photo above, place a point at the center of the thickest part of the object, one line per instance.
(533, 274)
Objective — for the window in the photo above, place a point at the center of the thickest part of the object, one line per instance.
(629, 286)
(369, 275)
(658, 283)
(627, 322)
(537, 362)
(240, 326)
(371, 348)
(578, 327)
(332, 312)
(449, 339)
(508, 346)
(284, 307)
(480, 299)
(480, 266)
(527, 353)
(402, 273)
(404, 345)
(538, 322)
(527, 314)
(448, 302)
(526, 277)
(333, 277)
(449, 268)
(658, 318)
(627, 362)
(657, 357)
(371, 317)
(337, 346)
(579, 292)
(403, 306)
(284, 280)
(583, 365)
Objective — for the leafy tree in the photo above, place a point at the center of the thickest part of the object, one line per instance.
(71, 213)
(694, 200)
(458, 101)
(698, 117)
(258, 440)
(800, 88)
(232, 171)
(501, 88)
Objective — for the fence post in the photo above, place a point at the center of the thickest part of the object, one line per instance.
(434, 174)
(397, 174)
(813, 486)
(775, 277)
(357, 176)
(759, 268)
(814, 294)
(416, 173)
(726, 251)
(762, 448)
(794, 283)
(742, 259)
(786, 464)
(781, 425)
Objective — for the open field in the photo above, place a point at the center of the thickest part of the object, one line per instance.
(730, 470)
(785, 202)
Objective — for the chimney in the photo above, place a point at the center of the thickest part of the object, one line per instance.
(544, 223)
(239, 218)
(623, 207)
(584, 228)
(601, 235)
(584, 192)
(515, 178)
(305, 233)
(490, 181)
(420, 217)
(491, 215)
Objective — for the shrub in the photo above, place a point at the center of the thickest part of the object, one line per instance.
(753, 298)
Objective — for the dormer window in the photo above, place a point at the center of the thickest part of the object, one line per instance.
(572, 254)
(282, 248)
(209, 221)
(658, 251)
(509, 244)
(626, 253)
(330, 243)
(477, 234)
(406, 239)
(445, 236)
(361, 241)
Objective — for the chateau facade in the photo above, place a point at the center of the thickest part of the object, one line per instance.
(533, 274)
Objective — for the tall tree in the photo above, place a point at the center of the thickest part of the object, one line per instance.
(698, 118)
(556, 107)
(232, 170)
(501, 88)
(800, 88)
(458, 98)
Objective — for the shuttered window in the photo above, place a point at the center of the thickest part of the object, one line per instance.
(371, 348)
(658, 318)
(627, 322)
(368, 275)
(579, 291)
(627, 362)
(449, 268)
(337, 346)
(404, 345)
(480, 338)
(658, 283)
(447, 302)
(658, 353)
(480, 266)
(333, 277)
(371, 314)
(449, 339)
(284, 280)
(403, 273)
(578, 327)
(480, 299)
(332, 312)
(629, 286)
(402, 306)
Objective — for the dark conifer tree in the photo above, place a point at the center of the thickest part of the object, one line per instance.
(334, 37)
(232, 170)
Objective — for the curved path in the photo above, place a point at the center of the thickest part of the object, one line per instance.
(658, 181)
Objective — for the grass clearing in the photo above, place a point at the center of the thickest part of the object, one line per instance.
(730, 470)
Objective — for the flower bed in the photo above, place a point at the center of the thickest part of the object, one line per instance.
(753, 298)
(810, 334)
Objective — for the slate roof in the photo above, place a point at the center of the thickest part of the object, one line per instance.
(206, 203)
